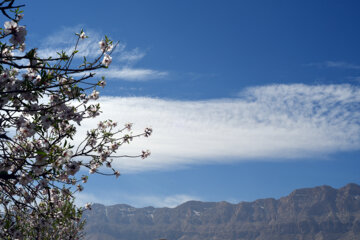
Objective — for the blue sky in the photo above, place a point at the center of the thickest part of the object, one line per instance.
(248, 99)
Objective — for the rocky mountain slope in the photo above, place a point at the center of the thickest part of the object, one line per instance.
(321, 213)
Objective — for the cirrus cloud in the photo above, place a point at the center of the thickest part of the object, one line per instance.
(123, 60)
(266, 123)
(131, 74)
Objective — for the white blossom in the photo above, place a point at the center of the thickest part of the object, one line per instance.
(18, 37)
(94, 95)
(44, 100)
(82, 35)
(72, 168)
(105, 47)
(102, 83)
(106, 60)
(10, 27)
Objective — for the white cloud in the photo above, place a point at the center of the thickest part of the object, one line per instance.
(123, 59)
(131, 56)
(65, 39)
(354, 78)
(131, 74)
(335, 64)
(277, 122)
(134, 200)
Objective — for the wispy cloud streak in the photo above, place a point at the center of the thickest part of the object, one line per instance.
(267, 123)
(132, 56)
(132, 74)
(65, 39)
(122, 66)
(335, 64)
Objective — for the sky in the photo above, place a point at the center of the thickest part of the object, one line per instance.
(247, 99)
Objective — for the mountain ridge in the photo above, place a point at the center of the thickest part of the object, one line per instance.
(320, 213)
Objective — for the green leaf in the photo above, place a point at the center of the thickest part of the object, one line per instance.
(42, 153)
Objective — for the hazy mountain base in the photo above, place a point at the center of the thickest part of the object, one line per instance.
(321, 213)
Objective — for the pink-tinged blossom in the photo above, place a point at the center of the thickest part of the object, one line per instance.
(27, 131)
(102, 45)
(37, 79)
(106, 60)
(6, 54)
(82, 35)
(72, 168)
(19, 17)
(145, 154)
(79, 187)
(25, 179)
(148, 132)
(84, 179)
(105, 47)
(102, 83)
(62, 80)
(67, 155)
(92, 170)
(128, 126)
(22, 47)
(101, 125)
(18, 38)
(43, 183)
(93, 111)
(108, 164)
(115, 146)
(73, 181)
(18, 32)
(127, 138)
(92, 141)
(88, 206)
(104, 155)
(94, 95)
(10, 27)
(37, 170)
(47, 99)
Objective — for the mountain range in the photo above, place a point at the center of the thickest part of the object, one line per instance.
(320, 213)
